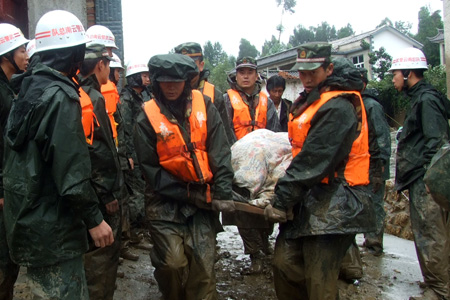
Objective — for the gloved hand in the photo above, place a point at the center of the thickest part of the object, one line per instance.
(274, 215)
(223, 205)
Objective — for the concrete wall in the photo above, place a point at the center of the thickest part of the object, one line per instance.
(37, 8)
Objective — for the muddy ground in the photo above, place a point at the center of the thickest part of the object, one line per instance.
(393, 276)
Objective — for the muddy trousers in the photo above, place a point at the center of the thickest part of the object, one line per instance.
(65, 280)
(351, 267)
(375, 239)
(431, 229)
(308, 267)
(8, 270)
(183, 257)
(255, 240)
(136, 202)
(100, 264)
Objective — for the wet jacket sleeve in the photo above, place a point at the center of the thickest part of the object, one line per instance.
(219, 103)
(230, 114)
(273, 122)
(329, 141)
(69, 157)
(434, 125)
(126, 111)
(219, 154)
(161, 181)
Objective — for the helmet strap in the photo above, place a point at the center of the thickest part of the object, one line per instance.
(405, 78)
(10, 56)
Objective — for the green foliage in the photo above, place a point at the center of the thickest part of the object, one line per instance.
(218, 74)
(437, 77)
(324, 32)
(385, 21)
(364, 45)
(428, 25)
(381, 62)
(345, 31)
(404, 27)
(288, 5)
(273, 46)
(247, 49)
(301, 35)
(213, 53)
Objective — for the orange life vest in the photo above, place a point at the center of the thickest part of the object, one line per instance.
(208, 90)
(188, 162)
(357, 168)
(112, 98)
(242, 121)
(88, 117)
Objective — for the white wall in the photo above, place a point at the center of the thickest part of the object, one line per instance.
(391, 42)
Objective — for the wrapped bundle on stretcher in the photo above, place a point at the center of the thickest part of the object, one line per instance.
(259, 159)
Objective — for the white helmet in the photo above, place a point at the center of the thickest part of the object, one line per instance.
(10, 38)
(31, 47)
(59, 29)
(136, 66)
(100, 34)
(116, 62)
(409, 59)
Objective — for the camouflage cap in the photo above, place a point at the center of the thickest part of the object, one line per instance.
(190, 49)
(246, 62)
(310, 56)
(171, 68)
(94, 51)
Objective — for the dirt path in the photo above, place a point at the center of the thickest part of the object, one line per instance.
(392, 276)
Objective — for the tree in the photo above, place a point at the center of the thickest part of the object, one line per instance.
(301, 35)
(273, 46)
(288, 5)
(428, 25)
(385, 21)
(218, 75)
(247, 49)
(381, 62)
(325, 33)
(213, 53)
(345, 31)
(404, 27)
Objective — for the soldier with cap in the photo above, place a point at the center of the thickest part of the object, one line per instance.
(249, 109)
(201, 83)
(101, 264)
(323, 193)
(186, 162)
(50, 201)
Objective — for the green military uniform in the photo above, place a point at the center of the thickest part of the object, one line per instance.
(380, 153)
(425, 130)
(50, 201)
(8, 270)
(309, 249)
(129, 108)
(253, 229)
(101, 264)
(183, 234)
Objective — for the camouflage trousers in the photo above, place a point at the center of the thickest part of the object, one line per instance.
(8, 270)
(308, 267)
(375, 239)
(65, 280)
(183, 257)
(100, 264)
(431, 229)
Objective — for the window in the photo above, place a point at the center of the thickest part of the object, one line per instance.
(358, 61)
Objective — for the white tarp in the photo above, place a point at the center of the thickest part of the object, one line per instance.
(259, 159)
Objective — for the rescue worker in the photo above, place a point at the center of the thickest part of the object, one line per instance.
(275, 87)
(380, 138)
(49, 200)
(131, 101)
(201, 83)
(101, 264)
(425, 130)
(380, 152)
(186, 161)
(323, 193)
(13, 60)
(99, 34)
(248, 109)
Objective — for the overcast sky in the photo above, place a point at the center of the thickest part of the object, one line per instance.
(157, 26)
